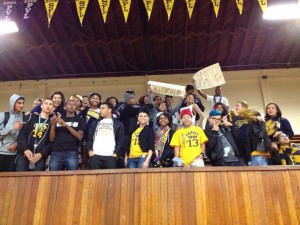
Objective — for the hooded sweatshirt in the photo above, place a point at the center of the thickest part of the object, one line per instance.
(8, 134)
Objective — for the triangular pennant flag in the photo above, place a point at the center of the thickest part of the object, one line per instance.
(27, 9)
(104, 6)
(216, 5)
(50, 9)
(149, 6)
(190, 4)
(8, 7)
(81, 6)
(263, 4)
(239, 4)
(169, 6)
(125, 5)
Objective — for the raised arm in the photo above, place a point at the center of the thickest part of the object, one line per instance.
(200, 113)
(200, 91)
(177, 107)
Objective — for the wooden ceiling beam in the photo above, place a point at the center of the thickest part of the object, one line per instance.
(245, 36)
(145, 35)
(161, 12)
(46, 44)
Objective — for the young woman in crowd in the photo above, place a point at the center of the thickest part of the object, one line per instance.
(289, 154)
(115, 102)
(224, 113)
(164, 153)
(276, 123)
(142, 143)
(223, 109)
(189, 143)
(241, 122)
(258, 142)
(146, 102)
(163, 108)
(58, 99)
(89, 114)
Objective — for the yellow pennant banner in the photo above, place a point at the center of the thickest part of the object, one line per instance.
(239, 4)
(50, 9)
(125, 5)
(169, 6)
(81, 6)
(149, 6)
(263, 4)
(216, 5)
(104, 6)
(190, 4)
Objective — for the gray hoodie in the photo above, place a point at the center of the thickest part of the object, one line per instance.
(8, 135)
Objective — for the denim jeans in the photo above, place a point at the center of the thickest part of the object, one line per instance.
(60, 160)
(257, 160)
(136, 162)
(22, 164)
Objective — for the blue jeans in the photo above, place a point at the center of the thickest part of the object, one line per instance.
(22, 164)
(257, 160)
(136, 162)
(60, 160)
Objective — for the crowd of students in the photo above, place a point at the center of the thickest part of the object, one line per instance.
(86, 132)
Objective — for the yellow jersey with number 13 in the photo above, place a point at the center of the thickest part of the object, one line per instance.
(189, 141)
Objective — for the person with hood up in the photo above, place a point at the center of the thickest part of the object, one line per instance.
(10, 124)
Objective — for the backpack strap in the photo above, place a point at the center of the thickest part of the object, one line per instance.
(6, 118)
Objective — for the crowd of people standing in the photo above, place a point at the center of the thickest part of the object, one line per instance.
(83, 132)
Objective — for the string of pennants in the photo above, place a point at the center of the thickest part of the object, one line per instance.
(8, 7)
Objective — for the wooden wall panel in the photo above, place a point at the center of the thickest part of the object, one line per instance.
(223, 195)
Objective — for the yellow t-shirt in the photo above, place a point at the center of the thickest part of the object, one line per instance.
(189, 141)
(135, 149)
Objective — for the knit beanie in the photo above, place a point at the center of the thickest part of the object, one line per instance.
(127, 96)
(186, 112)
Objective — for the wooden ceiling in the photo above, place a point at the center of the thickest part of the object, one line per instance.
(139, 47)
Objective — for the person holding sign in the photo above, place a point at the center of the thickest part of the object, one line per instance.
(217, 98)
(189, 143)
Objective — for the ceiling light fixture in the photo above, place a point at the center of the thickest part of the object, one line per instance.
(8, 27)
(282, 12)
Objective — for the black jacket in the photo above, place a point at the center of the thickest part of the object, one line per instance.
(25, 135)
(128, 116)
(119, 136)
(214, 147)
(147, 139)
(257, 134)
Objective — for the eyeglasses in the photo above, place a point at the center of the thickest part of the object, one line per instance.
(216, 119)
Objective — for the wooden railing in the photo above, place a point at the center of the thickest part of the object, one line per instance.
(212, 195)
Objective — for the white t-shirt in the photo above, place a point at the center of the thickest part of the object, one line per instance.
(216, 99)
(104, 140)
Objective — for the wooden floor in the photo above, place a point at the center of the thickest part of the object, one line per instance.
(214, 195)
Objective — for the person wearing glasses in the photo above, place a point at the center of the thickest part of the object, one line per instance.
(221, 147)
